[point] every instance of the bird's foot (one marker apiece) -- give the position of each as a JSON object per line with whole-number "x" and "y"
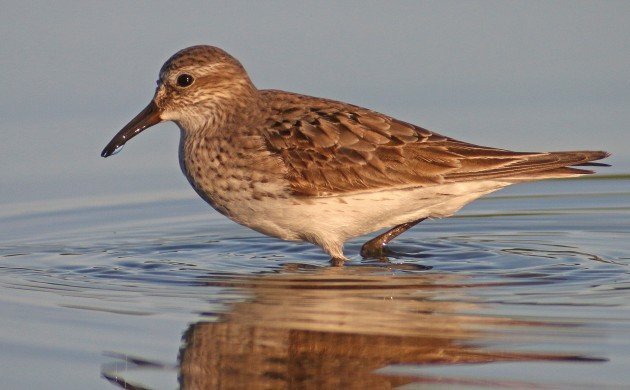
{"x": 374, "y": 249}
{"x": 337, "y": 261}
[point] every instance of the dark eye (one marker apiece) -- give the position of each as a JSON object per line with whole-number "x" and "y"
{"x": 184, "y": 80}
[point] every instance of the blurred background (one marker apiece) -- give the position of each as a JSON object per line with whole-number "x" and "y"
{"x": 518, "y": 75}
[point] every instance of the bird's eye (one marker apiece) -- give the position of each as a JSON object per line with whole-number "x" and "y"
{"x": 184, "y": 80}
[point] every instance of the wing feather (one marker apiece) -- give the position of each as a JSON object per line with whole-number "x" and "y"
{"x": 331, "y": 148}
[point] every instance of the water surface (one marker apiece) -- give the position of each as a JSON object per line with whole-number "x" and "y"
{"x": 525, "y": 288}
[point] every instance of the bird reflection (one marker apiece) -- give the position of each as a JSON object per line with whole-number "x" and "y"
{"x": 334, "y": 328}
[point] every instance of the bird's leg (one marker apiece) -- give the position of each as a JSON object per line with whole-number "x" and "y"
{"x": 374, "y": 247}
{"x": 337, "y": 261}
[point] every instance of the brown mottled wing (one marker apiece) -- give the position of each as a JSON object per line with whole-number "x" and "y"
{"x": 331, "y": 148}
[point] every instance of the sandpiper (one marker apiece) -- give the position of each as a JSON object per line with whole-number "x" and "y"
{"x": 302, "y": 168}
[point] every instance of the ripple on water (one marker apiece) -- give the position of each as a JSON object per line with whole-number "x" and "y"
{"x": 172, "y": 256}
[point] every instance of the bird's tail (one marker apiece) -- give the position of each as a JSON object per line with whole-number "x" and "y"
{"x": 549, "y": 165}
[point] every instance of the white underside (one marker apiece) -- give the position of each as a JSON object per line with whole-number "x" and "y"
{"x": 330, "y": 221}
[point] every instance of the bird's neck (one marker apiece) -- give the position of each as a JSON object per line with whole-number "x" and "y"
{"x": 222, "y": 111}
{"x": 224, "y": 136}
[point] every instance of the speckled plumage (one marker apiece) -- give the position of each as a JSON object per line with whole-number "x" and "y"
{"x": 304, "y": 168}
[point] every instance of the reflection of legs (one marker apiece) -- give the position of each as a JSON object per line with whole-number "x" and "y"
{"x": 374, "y": 247}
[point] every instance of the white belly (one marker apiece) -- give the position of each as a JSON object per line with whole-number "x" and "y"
{"x": 330, "y": 221}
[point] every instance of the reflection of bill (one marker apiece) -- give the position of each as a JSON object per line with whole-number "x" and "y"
{"x": 334, "y": 328}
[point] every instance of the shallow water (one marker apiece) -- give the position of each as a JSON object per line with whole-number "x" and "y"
{"x": 525, "y": 288}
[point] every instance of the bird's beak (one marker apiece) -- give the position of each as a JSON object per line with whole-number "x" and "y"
{"x": 146, "y": 118}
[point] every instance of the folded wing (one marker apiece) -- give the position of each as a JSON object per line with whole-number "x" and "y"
{"x": 332, "y": 148}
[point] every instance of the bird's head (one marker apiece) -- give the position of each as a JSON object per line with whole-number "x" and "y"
{"x": 199, "y": 88}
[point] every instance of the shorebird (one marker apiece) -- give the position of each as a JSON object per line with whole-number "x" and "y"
{"x": 303, "y": 168}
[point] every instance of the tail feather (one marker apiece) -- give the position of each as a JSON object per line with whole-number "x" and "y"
{"x": 591, "y": 164}
{"x": 540, "y": 166}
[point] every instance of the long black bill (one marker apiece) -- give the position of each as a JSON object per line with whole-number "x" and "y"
{"x": 145, "y": 119}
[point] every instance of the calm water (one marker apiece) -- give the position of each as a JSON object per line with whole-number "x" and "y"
{"x": 526, "y": 288}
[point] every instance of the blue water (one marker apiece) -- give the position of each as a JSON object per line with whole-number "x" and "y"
{"x": 528, "y": 287}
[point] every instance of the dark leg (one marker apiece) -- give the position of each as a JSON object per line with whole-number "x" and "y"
{"x": 337, "y": 262}
{"x": 374, "y": 247}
